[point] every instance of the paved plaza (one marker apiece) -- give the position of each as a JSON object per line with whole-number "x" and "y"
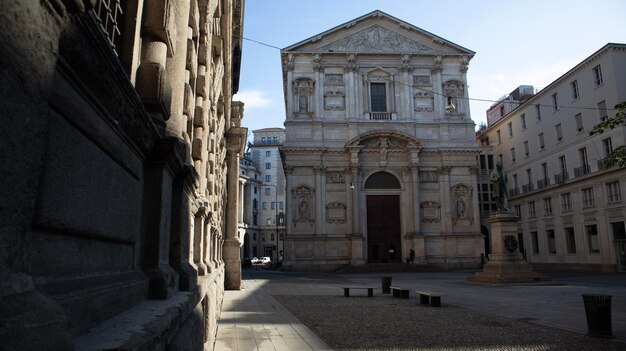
{"x": 307, "y": 311}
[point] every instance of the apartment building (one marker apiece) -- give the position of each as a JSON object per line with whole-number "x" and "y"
{"x": 571, "y": 206}
{"x": 264, "y": 151}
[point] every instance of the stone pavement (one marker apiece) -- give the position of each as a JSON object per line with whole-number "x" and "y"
{"x": 252, "y": 319}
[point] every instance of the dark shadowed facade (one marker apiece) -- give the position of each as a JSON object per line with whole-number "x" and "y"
{"x": 119, "y": 157}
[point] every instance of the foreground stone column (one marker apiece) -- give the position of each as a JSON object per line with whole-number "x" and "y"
{"x": 506, "y": 264}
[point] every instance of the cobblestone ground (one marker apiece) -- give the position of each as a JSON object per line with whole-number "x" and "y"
{"x": 383, "y": 323}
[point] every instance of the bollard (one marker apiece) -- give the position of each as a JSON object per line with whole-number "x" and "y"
{"x": 598, "y": 311}
{"x": 386, "y": 284}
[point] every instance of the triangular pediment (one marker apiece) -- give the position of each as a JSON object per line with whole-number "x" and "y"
{"x": 378, "y": 39}
{"x": 378, "y": 33}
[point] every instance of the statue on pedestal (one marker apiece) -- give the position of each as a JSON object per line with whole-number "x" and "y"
{"x": 500, "y": 193}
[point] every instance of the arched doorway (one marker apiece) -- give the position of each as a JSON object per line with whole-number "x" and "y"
{"x": 383, "y": 219}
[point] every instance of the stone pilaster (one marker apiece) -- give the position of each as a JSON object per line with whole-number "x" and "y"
{"x": 235, "y": 142}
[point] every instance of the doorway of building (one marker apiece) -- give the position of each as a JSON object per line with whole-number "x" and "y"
{"x": 383, "y": 228}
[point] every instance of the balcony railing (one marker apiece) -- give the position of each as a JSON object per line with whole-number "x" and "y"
{"x": 542, "y": 183}
{"x": 381, "y": 116}
{"x": 582, "y": 170}
{"x": 527, "y": 188}
{"x": 513, "y": 192}
{"x": 561, "y": 177}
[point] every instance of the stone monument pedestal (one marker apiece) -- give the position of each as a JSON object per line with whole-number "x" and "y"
{"x": 506, "y": 264}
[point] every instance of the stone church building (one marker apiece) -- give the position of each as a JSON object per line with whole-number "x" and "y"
{"x": 380, "y": 153}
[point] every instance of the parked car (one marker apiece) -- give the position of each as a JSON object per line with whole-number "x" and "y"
{"x": 264, "y": 260}
{"x": 254, "y": 260}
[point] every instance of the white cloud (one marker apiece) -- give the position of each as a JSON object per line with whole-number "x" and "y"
{"x": 253, "y": 99}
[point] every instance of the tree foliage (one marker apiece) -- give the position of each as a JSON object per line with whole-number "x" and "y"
{"x": 618, "y": 156}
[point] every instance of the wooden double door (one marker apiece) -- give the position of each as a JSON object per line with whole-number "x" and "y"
{"x": 383, "y": 229}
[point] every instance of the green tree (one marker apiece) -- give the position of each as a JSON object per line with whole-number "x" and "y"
{"x": 618, "y": 155}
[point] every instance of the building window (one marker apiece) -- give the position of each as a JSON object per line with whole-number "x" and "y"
{"x": 574, "y": 87}
{"x": 268, "y": 154}
{"x": 547, "y": 205}
{"x": 254, "y": 236}
{"x": 498, "y": 137}
{"x": 255, "y": 189}
{"x": 607, "y": 146}
{"x": 262, "y": 140}
{"x": 109, "y": 13}
{"x": 579, "y": 122}
{"x": 268, "y": 178}
{"x": 566, "y": 202}
{"x": 518, "y": 210}
{"x": 526, "y": 148}
{"x": 529, "y": 177}
{"x": 619, "y": 231}
{"x": 563, "y": 165}
{"x": 512, "y": 154}
{"x": 541, "y": 142}
{"x": 510, "y": 128}
{"x": 268, "y": 221}
{"x": 551, "y": 241}
{"x": 559, "y": 132}
{"x": 538, "y": 112}
{"x": 602, "y": 112}
{"x": 273, "y": 205}
{"x": 268, "y": 191}
{"x": 501, "y": 111}
{"x": 587, "y": 197}
{"x": 531, "y": 209}
{"x": 275, "y": 140}
{"x": 378, "y": 97}
{"x": 570, "y": 240}
{"x": 281, "y": 206}
{"x": 597, "y": 75}
{"x": 535, "y": 242}
{"x": 592, "y": 238}
{"x": 268, "y": 165}
{"x": 265, "y": 205}
{"x": 523, "y": 120}
{"x": 613, "y": 192}
{"x": 555, "y": 102}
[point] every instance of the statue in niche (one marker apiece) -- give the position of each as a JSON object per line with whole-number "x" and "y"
{"x": 460, "y": 208}
{"x": 303, "y": 103}
{"x": 303, "y": 209}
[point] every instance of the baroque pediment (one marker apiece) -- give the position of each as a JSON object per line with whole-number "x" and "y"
{"x": 378, "y": 39}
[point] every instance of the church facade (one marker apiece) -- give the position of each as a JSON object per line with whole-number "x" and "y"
{"x": 380, "y": 152}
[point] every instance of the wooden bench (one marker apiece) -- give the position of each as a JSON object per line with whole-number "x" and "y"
{"x": 429, "y": 298}
{"x": 397, "y": 291}
{"x": 370, "y": 290}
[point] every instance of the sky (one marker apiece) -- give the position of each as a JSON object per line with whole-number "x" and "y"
{"x": 516, "y": 42}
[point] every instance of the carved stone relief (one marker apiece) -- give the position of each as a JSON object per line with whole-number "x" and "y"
{"x": 333, "y": 79}
{"x": 336, "y": 212}
{"x": 421, "y": 80}
{"x": 429, "y": 176}
{"x": 430, "y": 212}
{"x": 378, "y": 39}
{"x": 335, "y": 178}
